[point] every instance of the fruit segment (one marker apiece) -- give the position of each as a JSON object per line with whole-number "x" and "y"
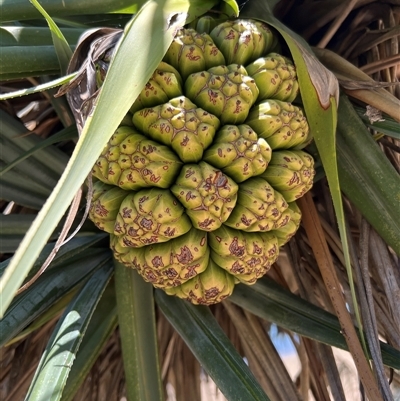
{"x": 180, "y": 124}
{"x": 238, "y": 152}
{"x": 207, "y": 194}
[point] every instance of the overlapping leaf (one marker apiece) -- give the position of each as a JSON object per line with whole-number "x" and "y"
{"x": 127, "y": 76}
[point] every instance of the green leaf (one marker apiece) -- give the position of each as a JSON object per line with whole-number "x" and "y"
{"x": 387, "y": 126}
{"x": 98, "y": 20}
{"x": 270, "y": 301}
{"x": 101, "y": 327}
{"x": 137, "y": 323}
{"x": 52, "y": 313}
{"x": 38, "y": 88}
{"x": 211, "y": 347}
{"x": 18, "y": 188}
{"x": 52, "y": 372}
{"x": 50, "y": 287}
{"x": 76, "y": 249}
{"x": 230, "y": 8}
{"x": 63, "y": 135}
{"x": 41, "y": 178}
{"x": 68, "y": 253}
{"x": 63, "y": 51}
{"x": 35, "y": 36}
{"x": 368, "y": 91}
{"x": 21, "y": 9}
{"x": 367, "y": 177}
{"x": 52, "y": 158}
{"x": 145, "y": 42}
{"x": 14, "y": 227}
{"x": 11, "y": 193}
{"x": 15, "y": 224}
{"x": 28, "y": 61}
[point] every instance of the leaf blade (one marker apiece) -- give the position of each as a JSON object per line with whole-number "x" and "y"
{"x": 21, "y": 10}
{"x": 101, "y": 327}
{"x": 137, "y": 322}
{"x": 319, "y": 90}
{"x": 54, "y": 367}
{"x": 125, "y": 64}
{"x": 63, "y": 51}
{"x": 269, "y": 301}
{"x": 367, "y": 177}
{"x": 211, "y": 347}
{"x": 50, "y": 287}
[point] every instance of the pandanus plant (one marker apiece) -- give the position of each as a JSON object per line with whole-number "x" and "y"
{"x": 199, "y": 130}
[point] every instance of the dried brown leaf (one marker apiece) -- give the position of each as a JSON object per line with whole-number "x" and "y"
{"x": 345, "y": 71}
{"x": 323, "y": 257}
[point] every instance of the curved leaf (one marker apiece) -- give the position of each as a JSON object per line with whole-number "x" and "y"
{"x": 52, "y": 372}
{"x": 61, "y": 46}
{"x": 52, "y": 158}
{"x": 14, "y": 227}
{"x": 38, "y": 88}
{"x": 270, "y": 301}
{"x": 41, "y": 178}
{"x": 15, "y": 187}
{"x": 211, "y": 347}
{"x": 69, "y": 253}
{"x": 386, "y": 125}
{"x": 146, "y": 40}
{"x": 230, "y": 8}
{"x": 53, "y": 312}
{"x": 50, "y": 287}
{"x": 101, "y": 327}
{"x": 65, "y": 134}
{"x": 367, "y": 177}
{"x": 319, "y": 91}
{"x": 358, "y": 84}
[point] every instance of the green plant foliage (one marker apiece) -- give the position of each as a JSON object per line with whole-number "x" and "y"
{"x": 102, "y": 324}
{"x": 367, "y": 177}
{"x": 127, "y": 71}
{"x": 61, "y": 46}
{"x": 50, "y": 287}
{"x": 137, "y": 322}
{"x": 269, "y": 301}
{"x": 319, "y": 90}
{"x": 35, "y": 174}
{"x": 210, "y": 345}
{"x": 23, "y": 10}
{"x": 54, "y": 367}
{"x": 385, "y": 125}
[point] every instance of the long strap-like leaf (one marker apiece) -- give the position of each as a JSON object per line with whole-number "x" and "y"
{"x": 145, "y": 42}
{"x": 212, "y": 348}
{"x": 102, "y": 325}
{"x": 269, "y": 301}
{"x": 54, "y": 367}
{"x": 137, "y": 323}
{"x": 367, "y": 177}
{"x": 53, "y": 285}
{"x": 22, "y": 9}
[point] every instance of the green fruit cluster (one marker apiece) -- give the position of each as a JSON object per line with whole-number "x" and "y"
{"x": 197, "y": 187}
